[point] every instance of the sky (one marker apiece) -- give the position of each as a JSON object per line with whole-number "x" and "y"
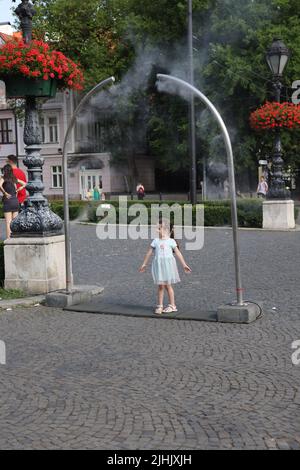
{"x": 5, "y": 13}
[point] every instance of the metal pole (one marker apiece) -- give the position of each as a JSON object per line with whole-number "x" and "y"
{"x": 85, "y": 99}
{"x": 192, "y": 123}
{"x": 229, "y": 152}
{"x": 204, "y": 179}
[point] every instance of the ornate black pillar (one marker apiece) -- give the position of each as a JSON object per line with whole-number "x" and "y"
{"x": 35, "y": 219}
{"x": 277, "y": 187}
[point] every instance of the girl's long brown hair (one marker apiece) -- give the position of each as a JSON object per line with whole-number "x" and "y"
{"x": 8, "y": 174}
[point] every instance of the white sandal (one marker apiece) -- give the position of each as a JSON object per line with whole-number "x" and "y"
{"x": 159, "y": 309}
{"x": 170, "y": 309}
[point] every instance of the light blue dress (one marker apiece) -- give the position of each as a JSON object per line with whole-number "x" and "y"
{"x": 164, "y": 267}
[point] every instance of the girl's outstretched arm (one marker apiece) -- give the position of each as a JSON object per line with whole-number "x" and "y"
{"x": 146, "y": 260}
{"x": 182, "y": 260}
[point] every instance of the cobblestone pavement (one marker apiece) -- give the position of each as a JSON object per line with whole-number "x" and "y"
{"x": 92, "y": 381}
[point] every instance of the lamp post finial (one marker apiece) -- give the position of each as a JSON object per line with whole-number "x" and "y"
{"x": 25, "y": 11}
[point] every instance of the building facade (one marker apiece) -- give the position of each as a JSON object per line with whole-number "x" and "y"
{"x": 89, "y": 162}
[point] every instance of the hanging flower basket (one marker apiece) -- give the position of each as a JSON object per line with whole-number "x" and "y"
{"x": 36, "y": 70}
{"x": 18, "y": 87}
{"x": 276, "y": 115}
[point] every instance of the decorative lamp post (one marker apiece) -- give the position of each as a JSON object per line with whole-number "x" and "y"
{"x": 277, "y": 58}
{"x": 35, "y": 219}
{"x": 31, "y": 69}
{"x": 25, "y": 12}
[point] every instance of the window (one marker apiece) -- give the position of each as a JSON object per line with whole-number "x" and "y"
{"x": 53, "y": 129}
{"x": 49, "y": 129}
{"x": 6, "y": 131}
{"x": 57, "y": 179}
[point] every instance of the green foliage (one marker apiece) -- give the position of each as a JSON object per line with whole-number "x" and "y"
{"x": 232, "y": 36}
{"x": 216, "y": 213}
{"x": 167, "y": 137}
{"x": 217, "y": 216}
{"x": 90, "y": 32}
{"x": 75, "y": 209}
{"x": 250, "y": 213}
{"x": 10, "y": 294}
{"x": 236, "y": 74}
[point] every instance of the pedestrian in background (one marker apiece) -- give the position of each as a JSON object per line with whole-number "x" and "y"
{"x": 89, "y": 194}
{"x": 97, "y": 193}
{"x": 10, "y": 186}
{"x": 140, "y": 190}
{"x": 19, "y": 174}
{"x": 263, "y": 188}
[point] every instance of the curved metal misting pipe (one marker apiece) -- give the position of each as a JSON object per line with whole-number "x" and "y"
{"x": 229, "y": 151}
{"x": 85, "y": 99}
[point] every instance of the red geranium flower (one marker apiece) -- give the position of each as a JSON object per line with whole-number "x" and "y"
{"x": 274, "y": 115}
{"x": 38, "y": 60}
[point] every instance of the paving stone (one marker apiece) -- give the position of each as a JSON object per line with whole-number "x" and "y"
{"x": 74, "y": 380}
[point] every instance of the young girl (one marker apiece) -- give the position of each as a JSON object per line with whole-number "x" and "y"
{"x": 8, "y": 186}
{"x": 164, "y": 268}
{"x": 262, "y": 188}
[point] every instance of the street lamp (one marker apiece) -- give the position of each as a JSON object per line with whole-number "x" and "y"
{"x": 277, "y": 58}
{"x": 36, "y": 219}
{"x": 192, "y": 118}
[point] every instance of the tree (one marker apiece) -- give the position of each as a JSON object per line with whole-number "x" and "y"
{"x": 90, "y": 32}
{"x": 109, "y": 36}
{"x": 236, "y": 74}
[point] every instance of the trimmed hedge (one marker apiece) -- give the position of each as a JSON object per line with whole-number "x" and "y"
{"x": 216, "y": 216}
{"x": 75, "y": 209}
{"x": 216, "y": 213}
{"x": 250, "y": 213}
